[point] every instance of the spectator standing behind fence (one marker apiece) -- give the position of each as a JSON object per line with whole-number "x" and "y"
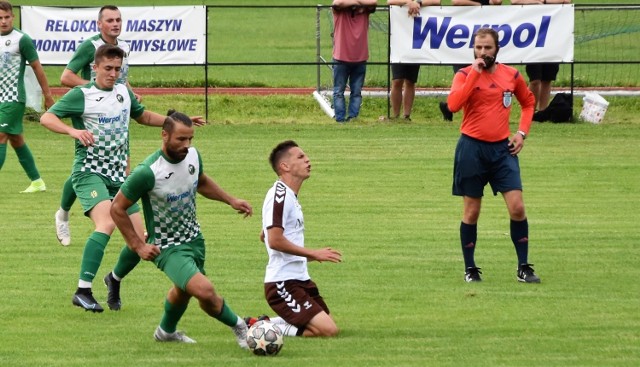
{"x": 16, "y": 48}
{"x": 541, "y": 76}
{"x": 405, "y": 76}
{"x": 110, "y": 25}
{"x": 446, "y": 113}
{"x": 350, "y": 54}
{"x": 486, "y": 152}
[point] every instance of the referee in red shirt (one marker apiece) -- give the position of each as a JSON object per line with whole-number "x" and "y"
{"x": 487, "y": 151}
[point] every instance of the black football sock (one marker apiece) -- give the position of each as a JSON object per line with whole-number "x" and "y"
{"x": 520, "y": 238}
{"x": 468, "y": 238}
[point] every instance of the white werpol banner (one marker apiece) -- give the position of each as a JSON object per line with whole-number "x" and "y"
{"x": 158, "y": 35}
{"x": 444, "y": 35}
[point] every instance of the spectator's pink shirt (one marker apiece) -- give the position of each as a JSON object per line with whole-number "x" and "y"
{"x": 351, "y": 41}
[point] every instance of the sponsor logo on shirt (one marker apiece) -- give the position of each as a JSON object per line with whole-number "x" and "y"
{"x": 108, "y": 120}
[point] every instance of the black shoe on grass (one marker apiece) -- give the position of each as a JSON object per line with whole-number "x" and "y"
{"x": 472, "y": 274}
{"x": 113, "y": 292}
{"x": 86, "y": 301}
{"x": 526, "y": 274}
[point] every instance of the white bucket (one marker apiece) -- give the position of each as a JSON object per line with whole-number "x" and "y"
{"x": 594, "y": 108}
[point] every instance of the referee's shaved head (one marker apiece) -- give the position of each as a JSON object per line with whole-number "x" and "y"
{"x": 483, "y": 32}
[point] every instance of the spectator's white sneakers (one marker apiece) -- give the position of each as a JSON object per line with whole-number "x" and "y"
{"x": 177, "y": 336}
{"x": 62, "y": 229}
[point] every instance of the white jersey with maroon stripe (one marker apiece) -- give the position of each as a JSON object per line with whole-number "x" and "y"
{"x": 282, "y": 209}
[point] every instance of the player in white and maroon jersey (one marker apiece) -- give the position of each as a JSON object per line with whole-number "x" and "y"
{"x": 289, "y": 289}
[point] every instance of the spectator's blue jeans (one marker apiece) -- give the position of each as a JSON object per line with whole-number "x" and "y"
{"x": 354, "y": 73}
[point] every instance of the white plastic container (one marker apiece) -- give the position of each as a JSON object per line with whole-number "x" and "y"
{"x": 593, "y": 108}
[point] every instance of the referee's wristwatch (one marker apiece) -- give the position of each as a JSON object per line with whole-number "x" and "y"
{"x": 524, "y": 135}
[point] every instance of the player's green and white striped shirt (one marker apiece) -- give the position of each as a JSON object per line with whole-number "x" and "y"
{"x": 83, "y": 59}
{"x": 106, "y": 113}
{"x": 15, "y": 49}
{"x": 167, "y": 190}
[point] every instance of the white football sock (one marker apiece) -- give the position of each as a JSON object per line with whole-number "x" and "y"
{"x": 287, "y": 329}
{"x": 62, "y": 215}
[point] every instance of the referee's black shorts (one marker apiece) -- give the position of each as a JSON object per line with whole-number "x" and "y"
{"x": 478, "y": 163}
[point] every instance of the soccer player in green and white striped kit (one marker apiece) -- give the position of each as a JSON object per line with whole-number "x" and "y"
{"x": 16, "y": 48}
{"x": 100, "y": 113}
{"x": 79, "y": 71}
{"x": 167, "y": 183}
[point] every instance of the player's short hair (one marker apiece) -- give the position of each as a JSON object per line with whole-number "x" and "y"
{"x": 108, "y": 51}
{"x": 489, "y": 32}
{"x": 6, "y": 6}
{"x": 174, "y": 117}
{"x": 107, "y": 7}
{"x": 279, "y": 152}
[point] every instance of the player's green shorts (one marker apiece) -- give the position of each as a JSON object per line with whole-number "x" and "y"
{"x": 11, "y": 115}
{"x": 92, "y": 189}
{"x": 183, "y": 261}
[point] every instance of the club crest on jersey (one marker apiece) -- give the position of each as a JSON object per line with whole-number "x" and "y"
{"x": 192, "y": 169}
{"x": 7, "y": 43}
{"x": 120, "y": 98}
{"x": 506, "y": 99}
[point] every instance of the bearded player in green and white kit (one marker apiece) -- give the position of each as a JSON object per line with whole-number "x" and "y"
{"x": 167, "y": 183}
{"x": 100, "y": 112}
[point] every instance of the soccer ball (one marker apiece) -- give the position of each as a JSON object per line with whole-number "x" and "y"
{"x": 265, "y": 338}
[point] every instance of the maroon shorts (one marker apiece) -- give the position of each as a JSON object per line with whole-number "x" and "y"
{"x": 296, "y": 301}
